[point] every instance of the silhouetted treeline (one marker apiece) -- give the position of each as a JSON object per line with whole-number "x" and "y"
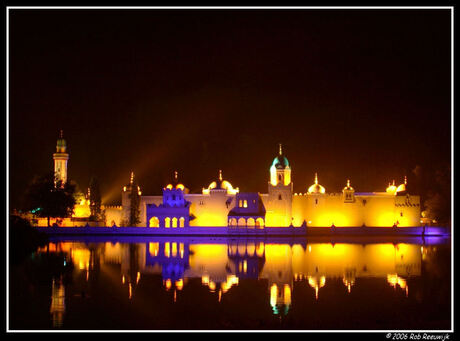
{"x": 23, "y": 239}
{"x": 433, "y": 184}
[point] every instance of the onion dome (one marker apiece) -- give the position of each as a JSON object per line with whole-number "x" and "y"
{"x": 391, "y": 188}
{"x": 61, "y": 143}
{"x": 280, "y": 161}
{"x": 221, "y": 184}
{"x": 402, "y": 187}
{"x": 316, "y": 188}
{"x": 176, "y": 184}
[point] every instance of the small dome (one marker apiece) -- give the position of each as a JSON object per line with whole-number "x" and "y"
{"x": 391, "y": 188}
{"x": 221, "y": 184}
{"x": 348, "y": 187}
{"x": 176, "y": 184}
{"x": 402, "y": 187}
{"x": 316, "y": 188}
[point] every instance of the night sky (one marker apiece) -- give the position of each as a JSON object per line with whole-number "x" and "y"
{"x": 351, "y": 94}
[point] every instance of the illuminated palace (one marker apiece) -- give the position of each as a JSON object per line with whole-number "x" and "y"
{"x": 221, "y": 204}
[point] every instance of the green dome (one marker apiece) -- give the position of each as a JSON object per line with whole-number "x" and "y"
{"x": 280, "y": 162}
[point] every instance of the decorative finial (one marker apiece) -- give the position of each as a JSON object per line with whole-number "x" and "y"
{"x": 348, "y": 183}
{"x": 175, "y": 175}
{"x": 220, "y": 175}
{"x": 316, "y": 178}
{"x": 131, "y": 181}
{"x": 405, "y": 180}
{"x": 281, "y": 149}
{"x": 393, "y": 182}
{"x": 61, "y": 134}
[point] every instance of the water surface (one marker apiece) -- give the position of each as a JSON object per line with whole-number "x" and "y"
{"x": 169, "y": 283}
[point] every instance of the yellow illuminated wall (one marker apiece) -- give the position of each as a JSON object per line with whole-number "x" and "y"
{"x": 370, "y": 210}
{"x": 210, "y": 209}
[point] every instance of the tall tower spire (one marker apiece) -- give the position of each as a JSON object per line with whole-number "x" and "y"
{"x": 60, "y": 159}
{"x": 281, "y": 150}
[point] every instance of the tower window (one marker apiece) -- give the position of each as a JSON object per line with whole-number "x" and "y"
{"x": 279, "y": 197}
{"x": 316, "y": 201}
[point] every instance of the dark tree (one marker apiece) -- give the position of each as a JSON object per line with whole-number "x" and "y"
{"x": 438, "y": 202}
{"x": 134, "y": 196}
{"x": 48, "y": 197}
{"x": 95, "y": 200}
{"x": 23, "y": 239}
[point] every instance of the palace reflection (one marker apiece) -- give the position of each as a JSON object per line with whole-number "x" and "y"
{"x": 220, "y": 265}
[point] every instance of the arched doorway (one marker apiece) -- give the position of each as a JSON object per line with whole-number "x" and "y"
{"x": 260, "y": 223}
{"x": 154, "y": 222}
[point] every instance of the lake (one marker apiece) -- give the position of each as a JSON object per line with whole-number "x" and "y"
{"x": 205, "y": 283}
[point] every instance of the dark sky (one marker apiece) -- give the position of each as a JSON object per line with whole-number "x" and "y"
{"x": 359, "y": 94}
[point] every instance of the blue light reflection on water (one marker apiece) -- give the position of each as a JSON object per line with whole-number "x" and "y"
{"x": 258, "y": 283}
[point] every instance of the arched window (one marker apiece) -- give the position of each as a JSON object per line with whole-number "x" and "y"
{"x": 240, "y": 203}
{"x": 245, "y": 203}
{"x": 181, "y": 222}
{"x": 167, "y": 222}
{"x": 260, "y": 223}
{"x": 241, "y": 222}
{"x": 174, "y": 222}
{"x": 280, "y": 197}
{"x": 251, "y": 222}
{"x": 154, "y": 222}
{"x": 232, "y": 222}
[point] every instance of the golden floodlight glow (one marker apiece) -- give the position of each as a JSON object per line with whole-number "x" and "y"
{"x": 287, "y": 294}
{"x": 273, "y": 294}
{"x": 179, "y": 284}
{"x": 394, "y": 279}
{"x": 205, "y": 280}
{"x": 168, "y": 284}
{"x": 231, "y": 280}
{"x": 314, "y": 283}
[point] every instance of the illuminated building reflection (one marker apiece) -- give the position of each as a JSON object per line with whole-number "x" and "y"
{"x": 57, "y": 308}
{"x": 222, "y": 265}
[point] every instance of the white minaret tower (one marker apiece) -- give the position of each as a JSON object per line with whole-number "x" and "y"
{"x": 60, "y": 159}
